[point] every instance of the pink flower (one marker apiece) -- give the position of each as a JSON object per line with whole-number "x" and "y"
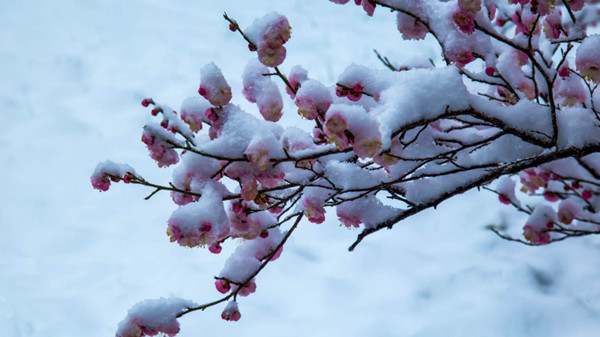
{"x": 159, "y": 150}
{"x": 355, "y": 92}
{"x": 410, "y": 28}
{"x": 271, "y": 177}
{"x": 348, "y": 218}
{"x": 368, "y": 7}
{"x": 367, "y": 147}
{"x": 108, "y": 171}
{"x": 249, "y": 187}
{"x": 536, "y": 236}
{"x": 506, "y": 191}
{"x": 587, "y": 59}
{"x": 313, "y": 100}
{"x": 278, "y": 31}
{"x": 271, "y": 56}
{"x": 564, "y": 71}
{"x": 553, "y": 25}
{"x": 151, "y": 317}
{"x": 504, "y": 199}
{"x": 193, "y": 111}
{"x": 182, "y": 198}
{"x": 461, "y": 57}
{"x": 213, "y": 85}
{"x": 336, "y": 123}
{"x": 215, "y": 248}
{"x": 258, "y": 155}
{"x": 201, "y": 223}
{"x": 146, "y": 102}
{"x": 270, "y": 103}
{"x": 567, "y": 211}
{"x": 571, "y": 91}
{"x": 464, "y": 21}
{"x": 296, "y": 77}
{"x": 271, "y": 38}
{"x": 223, "y": 286}
{"x": 203, "y": 235}
{"x": 551, "y": 196}
{"x": 531, "y": 180}
{"x": 248, "y": 289}
{"x": 541, "y": 220}
{"x": 524, "y": 22}
{"x": 100, "y": 182}
{"x": 313, "y": 210}
{"x": 231, "y": 312}
{"x": 350, "y": 124}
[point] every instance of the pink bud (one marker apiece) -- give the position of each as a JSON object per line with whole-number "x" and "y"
{"x": 147, "y": 101}
{"x": 215, "y": 248}
{"x": 205, "y": 227}
{"x": 550, "y": 196}
{"x": 127, "y": 178}
{"x": 504, "y": 199}
{"x": 222, "y": 286}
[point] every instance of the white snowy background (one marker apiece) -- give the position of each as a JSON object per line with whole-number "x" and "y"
{"x": 72, "y": 260}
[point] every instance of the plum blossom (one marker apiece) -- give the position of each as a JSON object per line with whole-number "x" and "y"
{"x": 410, "y": 27}
{"x": 151, "y": 317}
{"x": 464, "y": 21}
{"x": 538, "y": 224}
{"x": 568, "y": 210}
{"x": 506, "y": 191}
{"x": 588, "y": 58}
{"x": 231, "y": 312}
{"x": 159, "y": 143}
{"x": 313, "y": 100}
{"x": 269, "y": 34}
{"x": 213, "y": 85}
{"x": 296, "y": 77}
{"x": 351, "y": 125}
{"x": 108, "y": 171}
{"x": 199, "y": 223}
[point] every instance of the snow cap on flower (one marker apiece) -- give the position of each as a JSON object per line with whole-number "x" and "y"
{"x": 213, "y": 85}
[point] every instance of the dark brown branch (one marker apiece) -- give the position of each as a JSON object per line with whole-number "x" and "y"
{"x": 486, "y": 178}
{"x": 570, "y": 11}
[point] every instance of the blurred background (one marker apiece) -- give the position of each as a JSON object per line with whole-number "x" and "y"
{"x": 73, "y": 260}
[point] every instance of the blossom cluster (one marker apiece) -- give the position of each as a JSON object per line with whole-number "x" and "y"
{"x": 509, "y": 102}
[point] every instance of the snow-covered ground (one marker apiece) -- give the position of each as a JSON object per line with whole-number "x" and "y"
{"x": 72, "y": 260}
